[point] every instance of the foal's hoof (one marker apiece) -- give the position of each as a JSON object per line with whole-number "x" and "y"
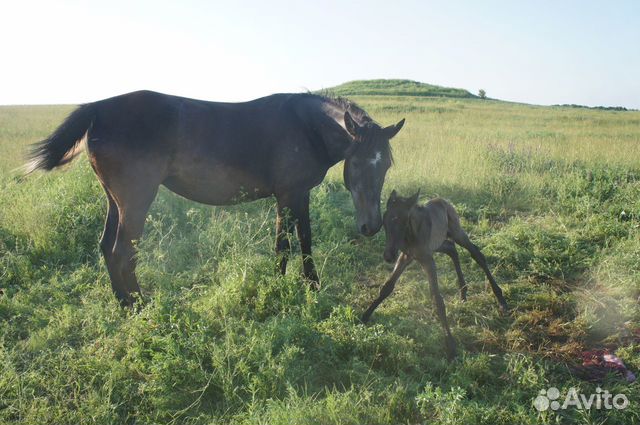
{"x": 504, "y": 309}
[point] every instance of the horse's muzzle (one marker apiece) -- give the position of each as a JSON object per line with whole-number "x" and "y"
{"x": 368, "y": 231}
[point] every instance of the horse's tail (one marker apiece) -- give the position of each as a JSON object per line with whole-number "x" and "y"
{"x": 62, "y": 145}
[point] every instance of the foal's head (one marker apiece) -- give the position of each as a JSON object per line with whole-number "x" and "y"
{"x": 365, "y": 168}
{"x": 396, "y": 219}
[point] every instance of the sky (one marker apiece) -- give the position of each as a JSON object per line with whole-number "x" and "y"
{"x": 541, "y": 52}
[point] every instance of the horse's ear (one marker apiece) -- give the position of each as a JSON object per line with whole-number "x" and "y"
{"x": 393, "y": 196}
{"x": 392, "y": 130}
{"x": 414, "y": 199}
{"x": 350, "y": 124}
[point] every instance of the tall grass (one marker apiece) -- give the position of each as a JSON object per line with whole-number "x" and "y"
{"x": 550, "y": 194}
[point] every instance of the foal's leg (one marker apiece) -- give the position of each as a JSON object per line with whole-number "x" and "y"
{"x": 449, "y": 248}
{"x": 401, "y": 263}
{"x": 430, "y": 267}
{"x": 461, "y": 238}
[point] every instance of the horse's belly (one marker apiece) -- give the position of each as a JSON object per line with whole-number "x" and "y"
{"x": 223, "y": 186}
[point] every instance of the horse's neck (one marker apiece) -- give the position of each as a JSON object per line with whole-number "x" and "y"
{"x": 337, "y": 140}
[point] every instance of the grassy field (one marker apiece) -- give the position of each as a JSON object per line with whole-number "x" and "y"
{"x": 551, "y": 195}
{"x": 397, "y": 88}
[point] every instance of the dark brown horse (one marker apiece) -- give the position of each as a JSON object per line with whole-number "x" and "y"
{"x": 220, "y": 154}
{"x": 418, "y": 232}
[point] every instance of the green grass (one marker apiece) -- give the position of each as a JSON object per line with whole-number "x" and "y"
{"x": 222, "y": 339}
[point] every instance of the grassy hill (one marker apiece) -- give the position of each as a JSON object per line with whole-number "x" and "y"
{"x": 222, "y": 339}
{"x": 396, "y": 88}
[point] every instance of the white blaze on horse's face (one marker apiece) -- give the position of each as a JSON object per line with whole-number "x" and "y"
{"x": 364, "y": 174}
{"x": 376, "y": 160}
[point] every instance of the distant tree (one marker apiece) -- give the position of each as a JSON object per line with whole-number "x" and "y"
{"x": 482, "y": 94}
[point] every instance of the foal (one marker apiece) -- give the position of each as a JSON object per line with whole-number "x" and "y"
{"x": 419, "y": 231}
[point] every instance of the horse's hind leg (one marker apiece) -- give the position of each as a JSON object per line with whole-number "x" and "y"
{"x": 107, "y": 242}
{"x": 132, "y": 210}
{"x": 461, "y": 238}
{"x": 130, "y": 177}
{"x": 449, "y": 248}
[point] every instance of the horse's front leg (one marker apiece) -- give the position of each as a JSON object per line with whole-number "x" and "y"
{"x": 293, "y": 210}
{"x": 303, "y": 226}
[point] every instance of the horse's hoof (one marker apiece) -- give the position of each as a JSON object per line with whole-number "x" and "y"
{"x": 313, "y": 280}
{"x": 451, "y": 354}
{"x": 452, "y": 348}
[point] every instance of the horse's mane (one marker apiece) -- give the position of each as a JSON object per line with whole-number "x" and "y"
{"x": 359, "y": 114}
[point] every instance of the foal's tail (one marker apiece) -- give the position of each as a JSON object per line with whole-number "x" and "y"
{"x": 63, "y": 144}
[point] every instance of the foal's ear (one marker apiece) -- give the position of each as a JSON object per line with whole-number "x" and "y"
{"x": 414, "y": 199}
{"x": 392, "y": 130}
{"x": 350, "y": 124}
{"x": 393, "y": 196}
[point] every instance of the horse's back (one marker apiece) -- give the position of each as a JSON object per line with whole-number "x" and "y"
{"x": 211, "y": 152}
{"x": 151, "y": 120}
{"x": 137, "y": 121}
